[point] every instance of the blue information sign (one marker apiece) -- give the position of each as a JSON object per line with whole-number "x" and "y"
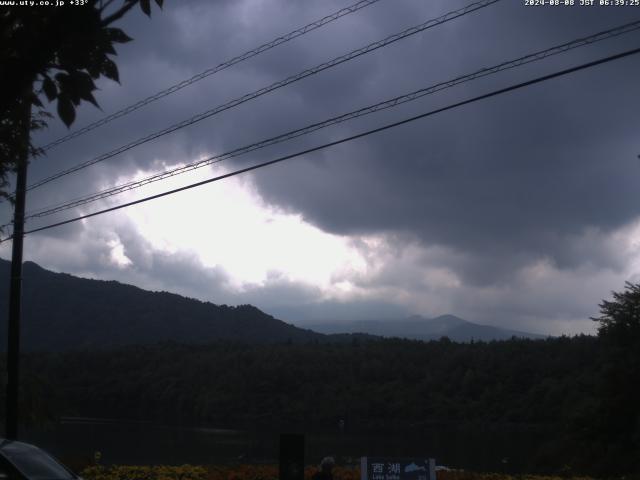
{"x": 389, "y": 468}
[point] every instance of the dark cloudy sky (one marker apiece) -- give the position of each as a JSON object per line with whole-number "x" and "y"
{"x": 519, "y": 211}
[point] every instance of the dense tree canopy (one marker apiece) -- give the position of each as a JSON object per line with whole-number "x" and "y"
{"x": 388, "y": 387}
{"x": 620, "y": 319}
{"x": 56, "y": 52}
{"x": 616, "y": 424}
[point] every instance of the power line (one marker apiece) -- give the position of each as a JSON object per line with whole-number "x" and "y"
{"x": 347, "y": 139}
{"x": 196, "y": 78}
{"x": 274, "y": 86}
{"x": 540, "y": 55}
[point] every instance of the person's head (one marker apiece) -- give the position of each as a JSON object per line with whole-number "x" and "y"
{"x": 327, "y": 464}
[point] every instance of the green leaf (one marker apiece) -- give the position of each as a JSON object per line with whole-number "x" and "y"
{"x": 83, "y": 82}
{"x": 66, "y": 110}
{"x": 117, "y": 35}
{"x": 71, "y": 85}
{"x": 94, "y": 69}
{"x": 88, "y": 96}
{"x": 145, "y": 5}
{"x": 110, "y": 70}
{"x": 108, "y": 48}
{"x": 103, "y": 45}
{"x": 84, "y": 86}
{"x": 49, "y": 88}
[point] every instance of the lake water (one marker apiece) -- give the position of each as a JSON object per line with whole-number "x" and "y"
{"x": 76, "y": 440}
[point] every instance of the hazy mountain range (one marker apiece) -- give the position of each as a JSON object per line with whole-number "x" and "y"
{"x": 421, "y": 328}
{"x": 62, "y": 312}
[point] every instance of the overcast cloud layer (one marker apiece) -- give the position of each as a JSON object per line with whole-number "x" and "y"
{"x": 519, "y": 211}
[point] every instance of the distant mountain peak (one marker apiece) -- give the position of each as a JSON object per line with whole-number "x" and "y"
{"x": 449, "y": 318}
{"x": 417, "y": 327}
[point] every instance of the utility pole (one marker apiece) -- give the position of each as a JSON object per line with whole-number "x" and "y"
{"x": 15, "y": 286}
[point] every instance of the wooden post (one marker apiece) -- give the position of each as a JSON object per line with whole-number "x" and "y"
{"x": 15, "y": 286}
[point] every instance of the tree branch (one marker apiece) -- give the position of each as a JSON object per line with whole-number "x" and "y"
{"x": 118, "y": 14}
{"x": 104, "y": 6}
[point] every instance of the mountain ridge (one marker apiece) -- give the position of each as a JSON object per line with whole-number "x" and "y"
{"x": 65, "y": 312}
{"x": 417, "y": 327}
{"x": 62, "y": 311}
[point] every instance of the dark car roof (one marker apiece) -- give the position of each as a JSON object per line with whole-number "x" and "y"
{"x": 4, "y": 442}
{"x": 33, "y": 462}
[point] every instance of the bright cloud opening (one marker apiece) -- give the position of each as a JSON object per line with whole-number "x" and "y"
{"x": 228, "y": 225}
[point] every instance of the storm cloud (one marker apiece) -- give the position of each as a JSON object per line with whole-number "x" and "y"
{"x": 519, "y": 211}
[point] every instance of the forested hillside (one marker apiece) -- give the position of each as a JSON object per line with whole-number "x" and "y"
{"x": 390, "y": 385}
{"x": 62, "y": 312}
{"x": 387, "y": 384}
